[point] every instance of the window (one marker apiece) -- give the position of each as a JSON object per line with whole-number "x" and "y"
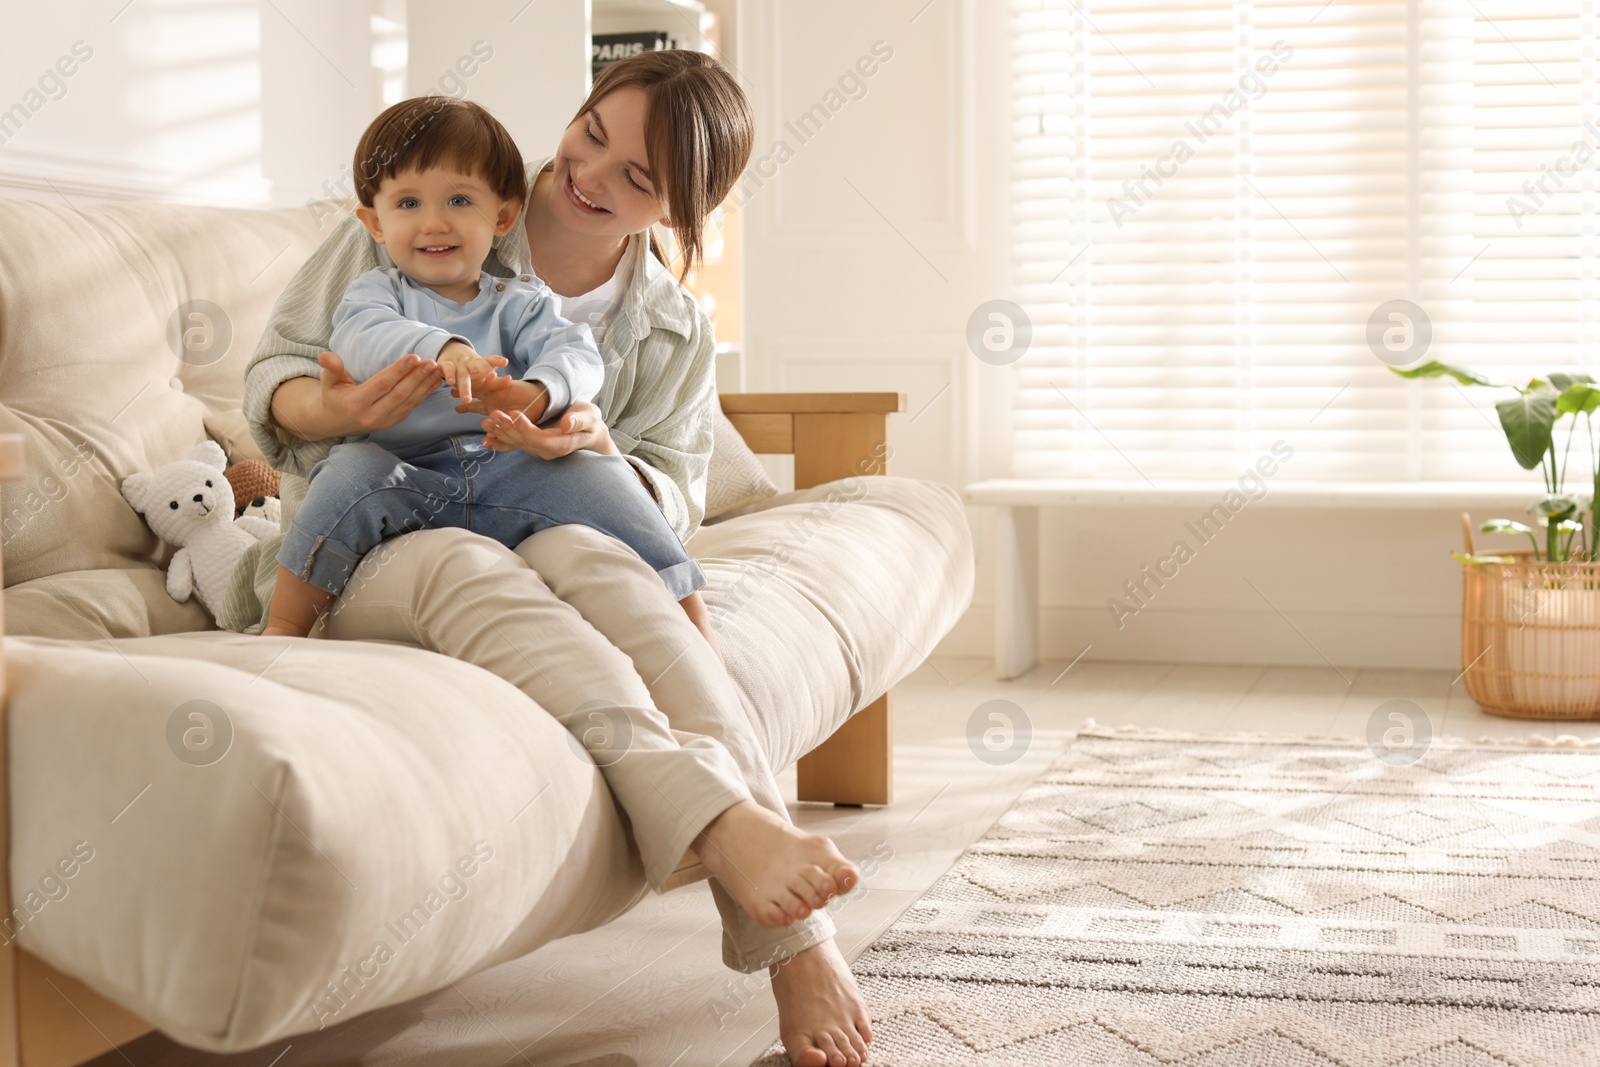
{"x": 1213, "y": 199}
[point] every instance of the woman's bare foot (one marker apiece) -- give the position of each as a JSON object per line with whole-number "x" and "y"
{"x": 821, "y": 1017}
{"x": 274, "y": 629}
{"x": 777, "y": 873}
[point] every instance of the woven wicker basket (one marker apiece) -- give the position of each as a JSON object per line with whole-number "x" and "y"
{"x": 1530, "y": 636}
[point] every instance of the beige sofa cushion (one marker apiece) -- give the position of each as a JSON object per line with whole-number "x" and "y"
{"x": 825, "y": 597}
{"x": 231, "y": 430}
{"x": 93, "y": 605}
{"x": 88, "y": 377}
{"x": 218, "y": 899}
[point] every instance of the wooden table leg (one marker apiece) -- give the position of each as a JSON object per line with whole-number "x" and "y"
{"x": 1016, "y": 591}
{"x": 856, "y": 764}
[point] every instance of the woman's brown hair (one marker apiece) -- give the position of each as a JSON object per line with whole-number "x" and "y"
{"x": 698, "y": 132}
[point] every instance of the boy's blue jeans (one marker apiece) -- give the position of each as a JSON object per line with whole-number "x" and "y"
{"x": 363, "y": 494}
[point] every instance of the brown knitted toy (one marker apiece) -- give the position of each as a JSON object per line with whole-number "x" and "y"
{"x": 252, "y": 478}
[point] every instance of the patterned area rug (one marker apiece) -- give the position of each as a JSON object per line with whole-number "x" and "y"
{"x": 1246, "y": 901}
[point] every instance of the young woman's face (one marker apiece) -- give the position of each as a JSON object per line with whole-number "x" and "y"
{"x": 602, "y": 175}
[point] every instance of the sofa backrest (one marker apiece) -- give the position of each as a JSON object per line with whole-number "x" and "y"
{"x": 93, "y": 299}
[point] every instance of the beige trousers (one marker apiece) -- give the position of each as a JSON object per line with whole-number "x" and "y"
{"x": 583, "y": 626}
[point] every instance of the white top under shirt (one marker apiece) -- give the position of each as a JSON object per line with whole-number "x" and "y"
{"x": 599, "y": 305}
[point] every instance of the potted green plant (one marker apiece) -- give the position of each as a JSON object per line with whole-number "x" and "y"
{"x": 1530, "y": 636}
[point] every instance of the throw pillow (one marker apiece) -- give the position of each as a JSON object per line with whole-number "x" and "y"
{"x": 735, "y": 476}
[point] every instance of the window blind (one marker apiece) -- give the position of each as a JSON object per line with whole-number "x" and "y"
{"x": 1212, "y": 199}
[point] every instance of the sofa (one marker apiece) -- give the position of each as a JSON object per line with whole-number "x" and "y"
{"x": 366, "y": 788}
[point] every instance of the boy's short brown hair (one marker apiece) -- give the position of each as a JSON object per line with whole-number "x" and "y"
{"x": 433, "y": 131}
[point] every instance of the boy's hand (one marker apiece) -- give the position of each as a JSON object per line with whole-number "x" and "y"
{"x": 463, "y": 368}
{"x": 512, "y": 395}
{"x": 580, "y": 427}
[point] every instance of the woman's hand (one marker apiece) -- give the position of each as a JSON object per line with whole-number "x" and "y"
{"x": 338, "y": 407}
{"x": 334, "y": 406}
{"x": 377, "y": 403}
{"x": 580, "y": 427}
{"x": 500, "y": 392}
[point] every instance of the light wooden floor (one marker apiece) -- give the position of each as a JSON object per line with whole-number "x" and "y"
{"x": 649, "y": 989}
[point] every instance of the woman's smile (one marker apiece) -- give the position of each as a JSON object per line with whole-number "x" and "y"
{"x": 581, "y": 202}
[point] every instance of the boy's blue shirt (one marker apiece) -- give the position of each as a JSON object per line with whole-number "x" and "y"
{"x": 385, "y": 315}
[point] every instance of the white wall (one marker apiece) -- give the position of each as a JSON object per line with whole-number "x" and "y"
{"x": 318, "y": 92}
{"x": 537, "y": 70}
{"x": 216, "y": 101}
{"x": 867, "y": 251}
{"x": 259, "y": 102}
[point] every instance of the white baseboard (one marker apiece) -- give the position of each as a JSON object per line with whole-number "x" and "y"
{"x": 1430, "y": 640}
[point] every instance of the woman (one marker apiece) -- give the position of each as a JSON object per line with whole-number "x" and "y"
{"x": 661, "y": 139}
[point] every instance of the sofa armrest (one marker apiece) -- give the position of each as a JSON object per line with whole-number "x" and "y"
{"x": 830, "y": 403}
{"x": 831, "y": 435}
{"x": 46, "y": 1018}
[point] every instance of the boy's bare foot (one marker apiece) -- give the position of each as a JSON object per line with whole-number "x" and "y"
{"x": 777, "y": 873}
{"x": 296, "y": 607}
{"x": 821, "y": 1017}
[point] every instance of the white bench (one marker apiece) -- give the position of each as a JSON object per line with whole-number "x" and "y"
{"x": 1016, "y": 539}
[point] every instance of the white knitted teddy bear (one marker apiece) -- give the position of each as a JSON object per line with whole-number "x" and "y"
{"x": 189, "y": 505}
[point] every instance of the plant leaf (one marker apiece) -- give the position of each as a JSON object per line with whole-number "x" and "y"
{"x": 1434, "y": 369}
{"x": 1564, "y": 380}
{"x": 1553, "y": 509}
{"x": 1478, "y": 560}
{"x": 1578, "y": 398}
{"x": 1505, "y": 526}
{"x": 1528, "y": 420}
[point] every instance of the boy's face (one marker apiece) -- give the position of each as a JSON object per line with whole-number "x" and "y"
{"x": 438, "y": 225}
